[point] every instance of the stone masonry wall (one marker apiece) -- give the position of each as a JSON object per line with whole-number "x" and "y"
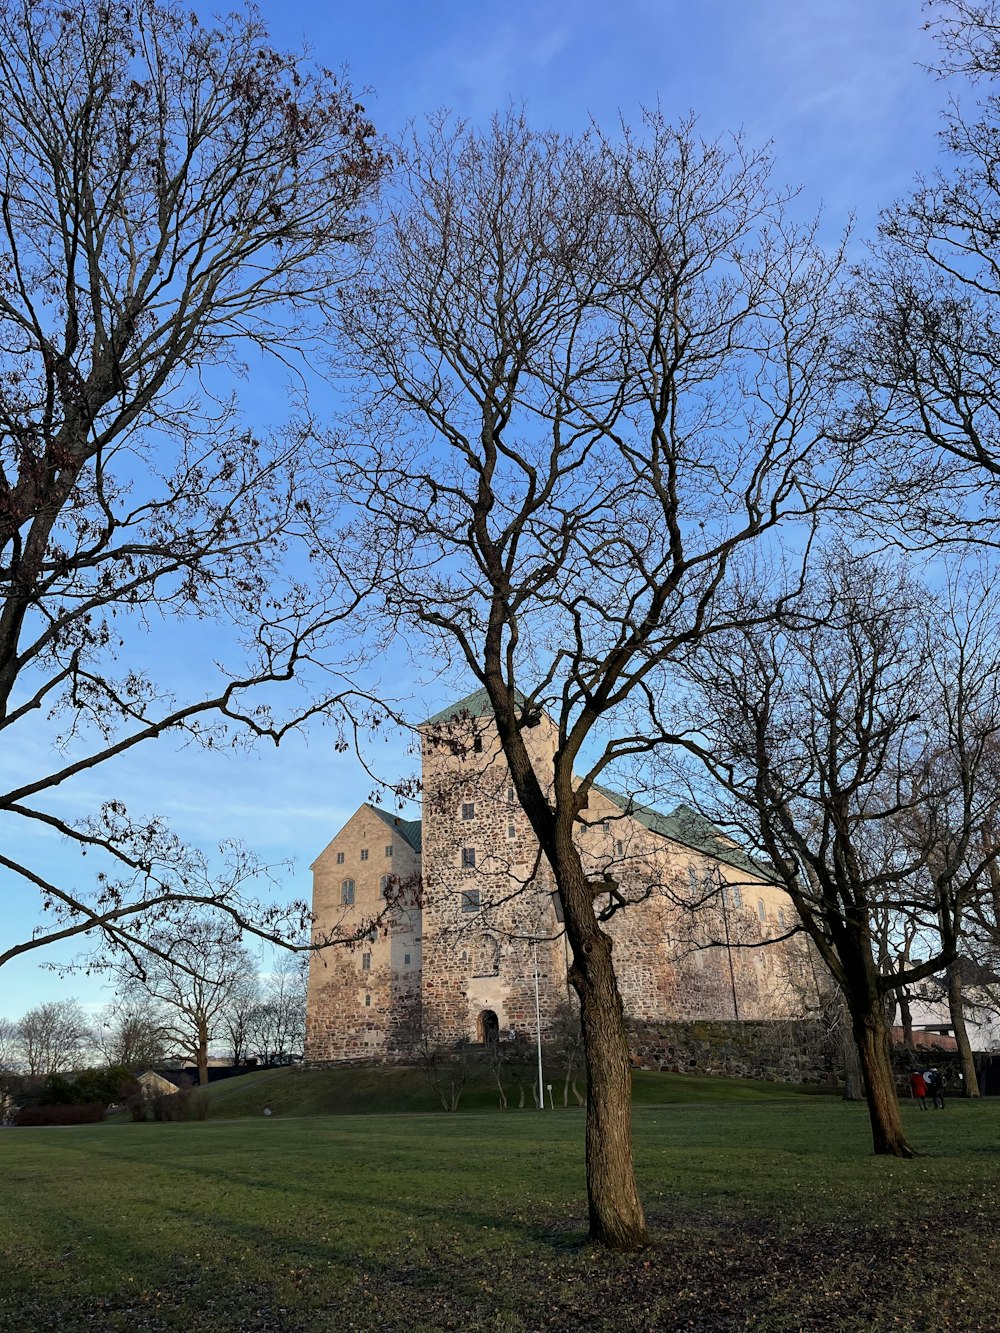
{"x": 463, "y": 960}
{"x": 364, "y": 998}
{"x": 782, "y": 1051}
{"x": 486, "y": 895}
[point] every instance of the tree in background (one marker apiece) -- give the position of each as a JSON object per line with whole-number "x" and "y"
{"x": 132, "y": 1034}
{"x": 595, "y": 371}
{"x": 238, "y": 1016}
{"x": 190, "y": 970}
{"x": 176, "y": 198}
{"x": 277, "y": 1024}
{"x": 52, "y": 1038}
{"x": 853, "y": 746}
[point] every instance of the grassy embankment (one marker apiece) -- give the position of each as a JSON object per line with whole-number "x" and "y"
{"x": 768, "y": 1215}
{"x": 382, "y": 1090}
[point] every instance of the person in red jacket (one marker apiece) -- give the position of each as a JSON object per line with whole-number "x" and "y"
{"x": 918, "y": 1088}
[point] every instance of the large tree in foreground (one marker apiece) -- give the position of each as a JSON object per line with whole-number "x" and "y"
{"x": 173, "y": 198}
{"x": 854, "y": 744}
{"x": 596, "y": 372}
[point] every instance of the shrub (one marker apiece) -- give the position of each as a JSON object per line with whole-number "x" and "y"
{"x": 60, "y": 1114}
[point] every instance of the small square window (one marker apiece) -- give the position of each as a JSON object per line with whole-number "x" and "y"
{"x": 606, "y": 825}
{"x": 388, "y": 851}
{"x": 468, "y": 858}
{"x": 340, "y": 858}
{"x": 366, "y": 962}
{"x": 406, "y": 960}
{"x": 470, "y": 900}
{"x": 364, "y": 853}
{"x": 469, "y": 810}
{"x": 368, "y": 1001}
{"x": 511, "y": 831}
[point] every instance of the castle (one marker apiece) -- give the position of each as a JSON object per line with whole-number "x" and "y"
{"x": 463, "y": 910}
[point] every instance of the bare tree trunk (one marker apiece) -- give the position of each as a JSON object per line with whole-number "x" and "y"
{"x": 616, "y": 1216}
{"x": 906, "y": 1019}
{"x": 854, "y": 1087}
{"x": 202, "y": 1053}
{"x": 956, "y": 1006}
{"x": 871, "y": 1032}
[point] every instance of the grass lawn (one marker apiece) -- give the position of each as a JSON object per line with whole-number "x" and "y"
{"x": 768, "y": 1215}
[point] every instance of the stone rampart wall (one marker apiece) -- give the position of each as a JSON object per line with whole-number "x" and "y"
{"x": 780, "y": 1051}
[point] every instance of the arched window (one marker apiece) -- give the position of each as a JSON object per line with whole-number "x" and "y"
{"x": 347, "y": 892}
{"x": 485, "y": 956}
{"x": 737, "y": 897}
{"x": 781, "y": 917}
{"x": 762, "y": 911}
{"x": 385, "y": 884}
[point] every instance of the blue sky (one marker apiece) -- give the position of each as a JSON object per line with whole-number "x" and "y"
{"x": 837, "y": 87}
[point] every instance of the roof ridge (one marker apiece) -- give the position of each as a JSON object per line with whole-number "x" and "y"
{"x": 672, "y": 826}
{"x": 411, "y": 830}
{"x": 476, "y": 704}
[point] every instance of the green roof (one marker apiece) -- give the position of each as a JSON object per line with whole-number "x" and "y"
{"x": 686, "y": 826}
{"x": 476, "y": 704}
{"x": 410, "y": 829}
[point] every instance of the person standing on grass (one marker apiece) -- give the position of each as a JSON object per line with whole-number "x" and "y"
{"x": 918, "y": 1088}
{"x": 935, "y": 1085}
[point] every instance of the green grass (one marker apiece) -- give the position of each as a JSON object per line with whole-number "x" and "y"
{"x": 296, "y": 1091}
{"x": 769, "y": 1215}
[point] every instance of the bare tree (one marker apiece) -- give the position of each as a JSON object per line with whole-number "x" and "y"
{"x": 596, "y": 371}
{"x": 132, "y": 1034}
{"x": 52, "y": 1037}
{"x": 174, "y": 199}
{"x": 852, "y": 746}
{"x": 8, "y": 1045}
{"x": 191, "y": 969}
{"x": 277, "y": 1024}
{"x": 929, "y": 314}
{"x": 239, "y": 1014}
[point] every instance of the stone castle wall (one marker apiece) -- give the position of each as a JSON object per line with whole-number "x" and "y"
{"x": 781, "y": 1051}
{"x": 364, "y": 998}
{"x": 478, "y": 916}
{"x": 458, "y": 960}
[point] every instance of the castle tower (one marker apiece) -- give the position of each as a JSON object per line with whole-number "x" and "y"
{"x": 489, "y": 909}
{"x": 364, "y": 1000}
{"x": 453, "y": 913}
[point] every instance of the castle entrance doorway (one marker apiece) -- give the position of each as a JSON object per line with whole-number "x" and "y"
{"x": 489, "y": 1027}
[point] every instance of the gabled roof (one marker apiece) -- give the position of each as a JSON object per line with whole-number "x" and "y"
{"x": 409, "y": 829}
{"x": 688, "y": 827}
{"x": 476, "y": 704}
